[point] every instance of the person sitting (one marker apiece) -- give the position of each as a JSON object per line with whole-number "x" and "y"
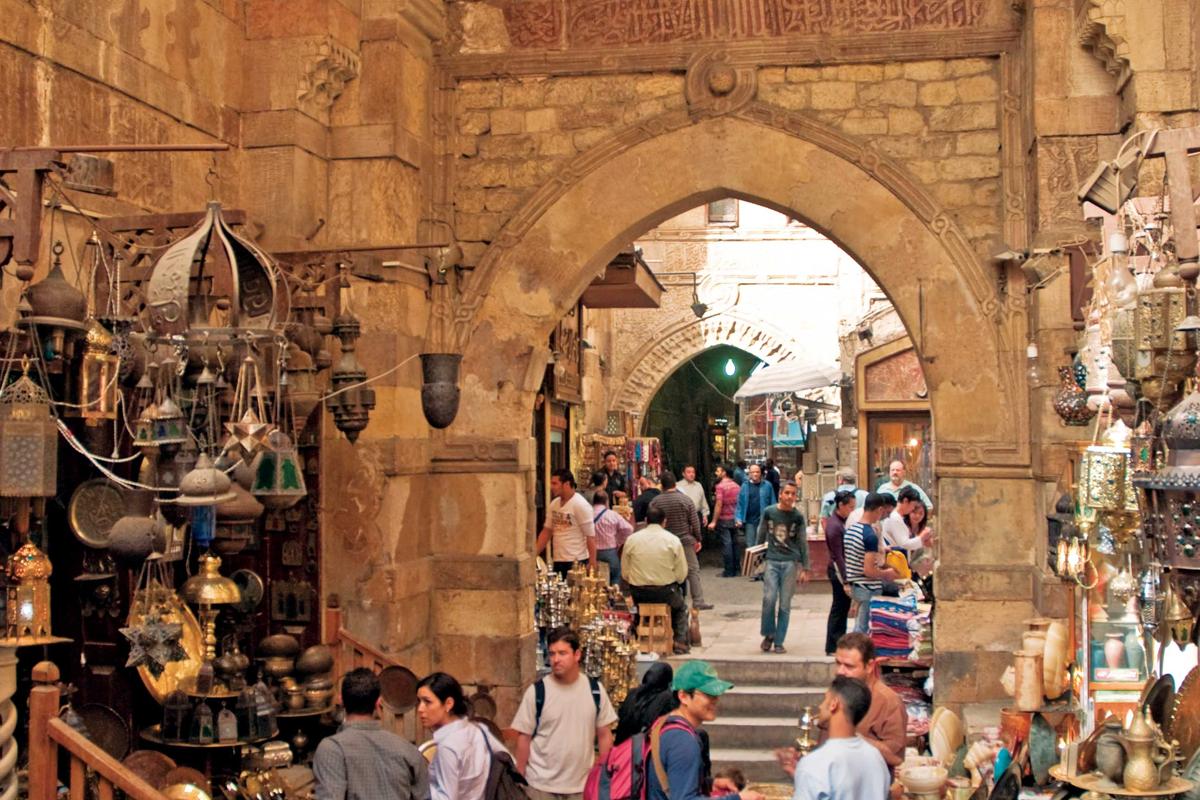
{"x": 653, "y": 566}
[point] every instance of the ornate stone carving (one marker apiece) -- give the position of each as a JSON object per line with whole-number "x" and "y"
{"x": 715, "y": 86}
{"x": 1063, "y": 163}
{"x": 327, "y": 69}
{"x": 1101, "y": 27}
{"x": 457, "y": 455}
{"x": 534, "y": 24}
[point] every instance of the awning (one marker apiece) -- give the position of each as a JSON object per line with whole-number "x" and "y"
{"x": 789, "y": 376}
{"x": 627, "y": 282}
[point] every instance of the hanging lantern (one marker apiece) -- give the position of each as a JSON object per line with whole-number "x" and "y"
{"x": 1103, "y": 471}
{"x": 28, "y": 610}
{"x": 55, "y": 308}
{"x": 236, "y": 521}
{"x": 28, "y": 441}
{"x": 1173, "y": 489}
{"x": 351, "y": 400}
{"x": 170, "y": 426}
{"x": 278, "y": 476}
{"x": 1178, "y": 622}
{"x": 98, "y": 375}
{"x": 202, "y": 490}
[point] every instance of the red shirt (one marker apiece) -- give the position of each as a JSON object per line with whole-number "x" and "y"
{"x": 727, "y": 492}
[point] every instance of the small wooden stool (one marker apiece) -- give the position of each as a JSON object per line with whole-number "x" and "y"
{"x": 654, "y": 629}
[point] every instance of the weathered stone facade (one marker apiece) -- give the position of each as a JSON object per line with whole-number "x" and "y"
{"x": 546, "y": 134}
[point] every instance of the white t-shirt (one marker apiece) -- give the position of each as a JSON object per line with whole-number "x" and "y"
{"x": 572, "y": 525}
{"x": 855, "y": 516}
{"x": 561, "y": 754}
{"x": 897, "y": 534}
{"x": 842, "y": 769}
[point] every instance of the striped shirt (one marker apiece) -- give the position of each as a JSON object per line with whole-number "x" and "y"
{"x": 682, "y": 519}
{"x": 860, "y": 538}
{"x": 611, "y": 528}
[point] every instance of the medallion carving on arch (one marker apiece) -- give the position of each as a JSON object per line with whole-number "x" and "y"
{"x": 655, "y": 362}
{"x": 715, "y": 86}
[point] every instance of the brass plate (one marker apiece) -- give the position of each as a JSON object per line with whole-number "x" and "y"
{"x": 95, "y": 507}
{"x": 398, "y": 686}
{"x": 150, "y": 765}
{"x": 1043, "y": 752}
{"x": 1157, "y": 700}
{"x": 177, "y": 674}
{"x": 106, "y": 729}
{"x": 1185, "y": 714}
{"x": 1093, "y": 782}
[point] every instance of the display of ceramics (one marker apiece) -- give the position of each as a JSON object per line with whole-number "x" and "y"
{"x": 1055, "y": 658}
{"x": 923, "y": 781}
{"x": 945, "y": 735}
{"x": 1071, "y": 402}
{"x": 1114, "y": 650}
{"x": 1027, "y": 683}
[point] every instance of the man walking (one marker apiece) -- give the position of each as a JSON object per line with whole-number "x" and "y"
{"x": 684, "y": 523}
{"x": 561, "y": 724}
{"x": 896, "y": 481}
{"x": 847, "y": 482}
{"x": 615, "y": 483}
{"x": 755, "y": 495}
{"x": 647, "y": 491}
{"x": 864, "y": 563}
{"x": 725, "y": 497}
{"x": 886, "y": 723}
{"x": 694, "y": 490}
{"x": 570, "y": 523}
{"x": 362, "y": 761}
{"x": 835, "y": 531}
{"x": 652, "y": 566}
{"x": 787, "y": 546}
{"x": 679, "y": 770}
{"x": 845, "y": 767}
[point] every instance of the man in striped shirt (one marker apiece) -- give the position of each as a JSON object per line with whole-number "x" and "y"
{"x": 683, "y": 521}
{"x": 865, "y": 570}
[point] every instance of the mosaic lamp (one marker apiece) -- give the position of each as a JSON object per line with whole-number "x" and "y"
{"x": 351, "y": 400}
{"x": 28, "y": 611}
{"x": 28, "y": 441}
{"x": 278, "y": 475}
{"x": 98, "y": 389}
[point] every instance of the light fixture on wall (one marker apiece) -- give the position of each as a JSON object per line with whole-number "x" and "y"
{"x": 730, "y": 368}
{"x": 698, "y": 308}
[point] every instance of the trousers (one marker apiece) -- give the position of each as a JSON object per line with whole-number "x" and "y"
{"x": 839, "y": 611}
{"x": 611, "y": 557}
{"x": 731, "y": 547}
{"x": 779, "y": 584}
{"x": 693, "y": 562}
{"x": 670, "y": 596}
{"x": 863, "y": 595}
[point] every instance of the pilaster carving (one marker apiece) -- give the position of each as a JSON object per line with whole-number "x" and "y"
{"x": 457, "y": 455}
{"x": 1101, "y": 27}
{"x": 327, "y": 70}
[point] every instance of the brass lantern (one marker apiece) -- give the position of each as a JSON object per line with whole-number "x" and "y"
{"x": 1163, "y": 358}
{"x": 1173, "y": 489}
{"x": 1104, "y": 471}
{"x": 351, "y": 400}
{"x": 98, "y": 390}
{"x": 28, "y": 441}
{"x": 28, "y": 611}
{"x": 278, "y": 476}
{"x": 206, "y": 589}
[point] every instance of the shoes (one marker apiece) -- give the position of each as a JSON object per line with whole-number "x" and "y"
{"x": 682, "y": 649}
{"x": 757, "y": 578}
{"x": 702, "y": 606}
{"x": 766, "y": 644}
{"x": 780, "y": 649}
{"x": 728, "y": 575}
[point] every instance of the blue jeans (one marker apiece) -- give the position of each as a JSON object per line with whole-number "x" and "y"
{"x": 731, "y": 547}
{"x": 613, "y": 559}
{"x": 779, "y": 584}
{"x": 751, "y": 533}
{"x": 862, "y": 623}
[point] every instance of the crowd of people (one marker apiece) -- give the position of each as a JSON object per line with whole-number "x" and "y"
{"x": 566, "y": 729}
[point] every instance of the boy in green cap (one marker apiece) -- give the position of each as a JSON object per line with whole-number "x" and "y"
{"x": 679, "y": 757}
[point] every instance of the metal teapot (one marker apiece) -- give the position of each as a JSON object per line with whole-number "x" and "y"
{"x": 1149, "y": 759}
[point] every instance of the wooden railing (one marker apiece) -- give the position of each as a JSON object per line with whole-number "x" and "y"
{"x": 47, "y": 733}
{"x": 349, "y": 651}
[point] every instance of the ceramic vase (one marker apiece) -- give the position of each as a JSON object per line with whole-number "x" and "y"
{"x": 1055, "y": 659}
{"x": 1027, "y": 683}
{"x": 1071, "y": 402}
{"x": 1135, "y": 653}
{"x": 1110, "y": 754}
{"x": 1114, "y": 650}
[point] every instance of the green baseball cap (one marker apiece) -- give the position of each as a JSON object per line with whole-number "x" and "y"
{"x": 699, "y": 676}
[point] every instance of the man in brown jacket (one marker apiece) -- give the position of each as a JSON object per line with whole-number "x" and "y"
{"x": 886, "y": 722}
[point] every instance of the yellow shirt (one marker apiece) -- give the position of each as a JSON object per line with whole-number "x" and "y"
{"x": 653, "y": 556}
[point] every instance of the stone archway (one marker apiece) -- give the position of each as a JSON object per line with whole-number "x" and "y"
{"x": 969, "y": 334}
{"x": 666, "y": 350}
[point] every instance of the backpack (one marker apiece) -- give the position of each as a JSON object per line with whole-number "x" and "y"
{"x": 503, "y": 781}
{"x": 622, "y": 773}
{"x": 539, "y": 700}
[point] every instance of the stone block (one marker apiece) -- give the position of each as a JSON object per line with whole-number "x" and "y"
{"x": 483, "y": 572}
{"x": 893, "y": 70}
{"x": 527, "y": 93}
{"x": 977, "y": 88}
{"x": 938, "y": 93}
{"x": 965, "y": 117}
{"x": 521, "y": 146}
{"x": 904, "y": 120}
{"x": 987, "y": 194}
{"x": 501, "y": 200}
{"x": 924, "y": 171}
{"x": 770, "y": 76}
{"x": 466, "y": 146}
{"x": 648, "y": 86}
{"x": 556, "y": 144}
{"x": 477, "y": 227}
{"x": 861, "y": 72}
{"x": 474, "y": 123}
{"x": 993, "y": 625}
{"x": 985, "y": 584}
{"x": 582, "y": 140}
{"x": 925, "y": 70}
{"x": 478, "y": 94}
{"x": 572, "y": 91}
{"x": 954, "y": 194}
{"x": 484, "y": 173}
{"x": 888, "y": 93}
{"x": 977, "y": 143}
{"x": 792, "y": 96}
{"x": 491, "y": 612}
{"x": 542, "y": 119}
{"x": 504, "y": 121}
{"x": 833, "y": 95}
{"x": 583, "y": 116}
{"x": 1163, "y": 91}
{"x": 961, "y": 67}
{"x": 469, "y": 200}
{"x": 861, "y": 124}
{"x": 802, "y": 74}
{"x": 962, "y": 168}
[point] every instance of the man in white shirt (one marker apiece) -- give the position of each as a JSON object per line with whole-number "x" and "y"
{"x": 896, "y": 533}
{"x": 846, "y": 767}
{"x": 561, "y": 724}
{"x": 569, "y": 521}
{"x": 694, "y": 491}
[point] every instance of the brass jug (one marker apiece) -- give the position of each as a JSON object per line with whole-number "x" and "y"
{"x": 1148, "y": 759}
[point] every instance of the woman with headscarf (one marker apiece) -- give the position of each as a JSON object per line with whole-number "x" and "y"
{"x": 647, "y": 702}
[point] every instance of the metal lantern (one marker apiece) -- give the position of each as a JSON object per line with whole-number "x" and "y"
{"x": 1104, "y": 471}
{"x": 1178, "y": 622}
{"x": 236, "y": 521}
{"x": 1163, "y": 358}
{"x": 278, "y": 475}
{"x": 28, "y": 441}
{"x": 98, "y": 373}
{"x": 351, "y": 400}
{"x": 206, "y": 589}
{"x": 28, "y": 610}
{"x": 170, "y": 426}
{"x": 202, "y": 490}
{"x": 1173, "y": 490}
{"x": 53, "y": 308}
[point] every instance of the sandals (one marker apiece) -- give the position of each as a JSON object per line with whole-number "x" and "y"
{"x": 780, "y": 649}
{"x": 766, "y": 644}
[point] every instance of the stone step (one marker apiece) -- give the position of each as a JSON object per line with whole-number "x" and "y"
{"x": 748, "y": 700}
{"x": 759, "y": 766}
{"x": 752, "y": 733}
{"x": 773, "y": 671}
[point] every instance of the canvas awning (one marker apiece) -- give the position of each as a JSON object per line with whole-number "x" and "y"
{"x": 789, "y": 376}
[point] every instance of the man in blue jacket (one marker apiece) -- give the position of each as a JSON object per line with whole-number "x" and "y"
{"x": 755, "y": 495}
{"x": 682, "y": 748}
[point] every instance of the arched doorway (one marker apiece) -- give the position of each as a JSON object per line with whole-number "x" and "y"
{"x": 969, "y": 334}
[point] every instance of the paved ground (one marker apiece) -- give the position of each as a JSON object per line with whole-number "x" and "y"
{"x": 731, "y": 629}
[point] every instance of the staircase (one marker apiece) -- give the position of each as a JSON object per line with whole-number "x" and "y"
{"x": 762, "y": 711}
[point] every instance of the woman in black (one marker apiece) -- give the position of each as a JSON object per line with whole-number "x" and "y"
{"x": 647, "y": 702}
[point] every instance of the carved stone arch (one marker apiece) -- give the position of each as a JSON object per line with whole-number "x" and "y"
{"x": 564, "y": 234}
{"x": 659, "y": 357}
